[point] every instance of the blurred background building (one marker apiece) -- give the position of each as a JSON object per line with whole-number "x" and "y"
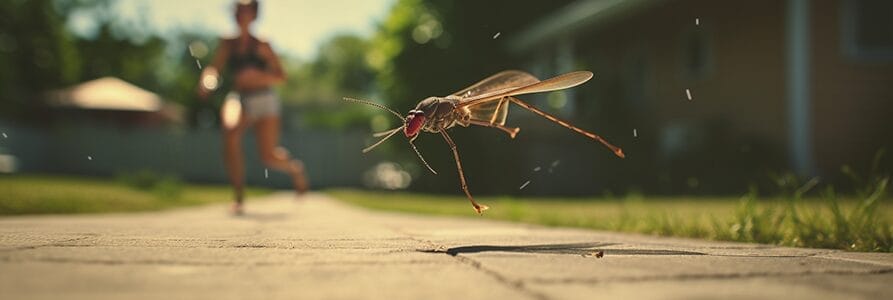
{"x": 799, "y": 83}
{"x": 110, "y": 99}
{"x": 775, "y": 86}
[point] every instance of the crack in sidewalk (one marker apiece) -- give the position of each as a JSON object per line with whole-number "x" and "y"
{"x": 61, "y": 243}
{"x": 516, "y": 285}
{"x": 704, "y": 276}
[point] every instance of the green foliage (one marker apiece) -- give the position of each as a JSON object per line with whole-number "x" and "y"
{"x": 847, "y": 224}
{"x": 858, "y": 224}
{"x": 435, "y": 47}
{"x": 797, "y": 216}
{"x": 36, "y": 53}
{"x": 165, "y": 187}
{"x": 340, "y": 69}
{"x": 110, "y": 54}
{"x": 858, "y": 228}
{"x": 30, "y": 194}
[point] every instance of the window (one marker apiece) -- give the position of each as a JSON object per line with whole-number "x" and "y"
{"x": 635, "y": 74}
{"x": 867, "y": 32}
{"x": 696, "y": 53}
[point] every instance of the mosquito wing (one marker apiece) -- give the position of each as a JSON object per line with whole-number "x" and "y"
{"x": 502, "y": 81}
{"x": 559, "y": 82}
{"x": 494, "y": 112}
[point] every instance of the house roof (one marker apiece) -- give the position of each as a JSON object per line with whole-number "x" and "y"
{"x": 567, "y": 20}
{"x": 107, "y": 93}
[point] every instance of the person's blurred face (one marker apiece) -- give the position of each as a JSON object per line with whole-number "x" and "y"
{"x": 244, "y": 16}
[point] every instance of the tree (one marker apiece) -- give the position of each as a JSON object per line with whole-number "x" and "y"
{"x": 433, "y": 47}
{"x": 339, "y": 69}
{"x": 111, "y": 54}
{"x": 36, "y": 54}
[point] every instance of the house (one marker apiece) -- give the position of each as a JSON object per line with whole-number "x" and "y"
{"x": 799, "y": 85}
{"x": 112, "y": 100}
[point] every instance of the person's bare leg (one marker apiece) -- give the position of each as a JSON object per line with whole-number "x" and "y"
{"x": 276, "y": 157}
{"x": 234, "y": 161}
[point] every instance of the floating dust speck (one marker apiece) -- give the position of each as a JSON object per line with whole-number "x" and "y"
{"x": 199, "y": 64}
{"x": 266, "y": 173}
{"x": 635, "y": 133}
{"x": 553, "y": 165}
{"x": 4, "y": 135}
{"x": 496, "y": 35}
{"x": 537, "y": 169}
{"x": 688, "y": 94}
{"x": 697, "y": 21}
{"x": 89, "y": 157}
{"x": 524, "y": 185}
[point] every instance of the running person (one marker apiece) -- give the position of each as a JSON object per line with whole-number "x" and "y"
{"x": 254, "y": 69}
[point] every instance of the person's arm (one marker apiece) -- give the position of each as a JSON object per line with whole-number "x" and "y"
{"x": 209, "y": 80}
{"x": 274, "y": 74}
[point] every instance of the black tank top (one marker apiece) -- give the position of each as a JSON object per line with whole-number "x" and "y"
{"x": 250, "y": 59}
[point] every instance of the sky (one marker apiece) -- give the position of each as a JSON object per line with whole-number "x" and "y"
{"x": 295, "y": 27}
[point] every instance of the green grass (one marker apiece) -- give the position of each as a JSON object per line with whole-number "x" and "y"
{"x": 35, "y": 194}
{"x": 824, "y": 222}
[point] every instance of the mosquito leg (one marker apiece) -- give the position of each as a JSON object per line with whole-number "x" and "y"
{"x": 477, "y": 207}
{"x": 512, "y": 131}
{"x": 419, "y": 154}
{"x": 496, "y": 111}
{"x": 386, "y": 132}
{"x": 392, "y": 133}
{"x": 617, "y": 151}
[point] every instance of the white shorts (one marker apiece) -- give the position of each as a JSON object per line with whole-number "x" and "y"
{"x": 259, "y": 104}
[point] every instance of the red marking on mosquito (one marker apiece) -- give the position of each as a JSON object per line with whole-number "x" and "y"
{"x": 414, "y": 124}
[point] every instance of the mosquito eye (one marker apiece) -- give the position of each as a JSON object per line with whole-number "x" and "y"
{"x": 413, "y": 124}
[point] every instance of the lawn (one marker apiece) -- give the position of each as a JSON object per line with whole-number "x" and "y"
{"x": 38, "y": 194}
{"x": 851, "y": 224}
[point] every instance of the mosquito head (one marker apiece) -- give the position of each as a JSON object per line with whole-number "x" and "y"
{"x": 414, "y": 122}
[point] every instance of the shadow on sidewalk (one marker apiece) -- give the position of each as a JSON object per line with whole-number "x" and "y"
{"x": 574, "y": 249}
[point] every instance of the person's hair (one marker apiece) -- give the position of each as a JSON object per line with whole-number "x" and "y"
{"x": 252, "y": 4}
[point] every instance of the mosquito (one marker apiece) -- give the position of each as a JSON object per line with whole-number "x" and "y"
{"x": 486, "y": 104}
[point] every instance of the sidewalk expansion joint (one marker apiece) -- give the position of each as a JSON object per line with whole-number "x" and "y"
{"x": 706, "y": 276}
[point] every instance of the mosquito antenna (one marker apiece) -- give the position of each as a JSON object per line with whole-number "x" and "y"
{"x": 370, "y": 103}
{"x": 393, "y": 132}
{"x": 422, "y": 158}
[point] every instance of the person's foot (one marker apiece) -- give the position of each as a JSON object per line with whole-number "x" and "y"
{"x": 299, "y": 178}
{"x": 237, "y": 209}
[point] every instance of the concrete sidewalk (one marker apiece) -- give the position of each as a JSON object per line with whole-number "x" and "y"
{"x": 322, "y": 249}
